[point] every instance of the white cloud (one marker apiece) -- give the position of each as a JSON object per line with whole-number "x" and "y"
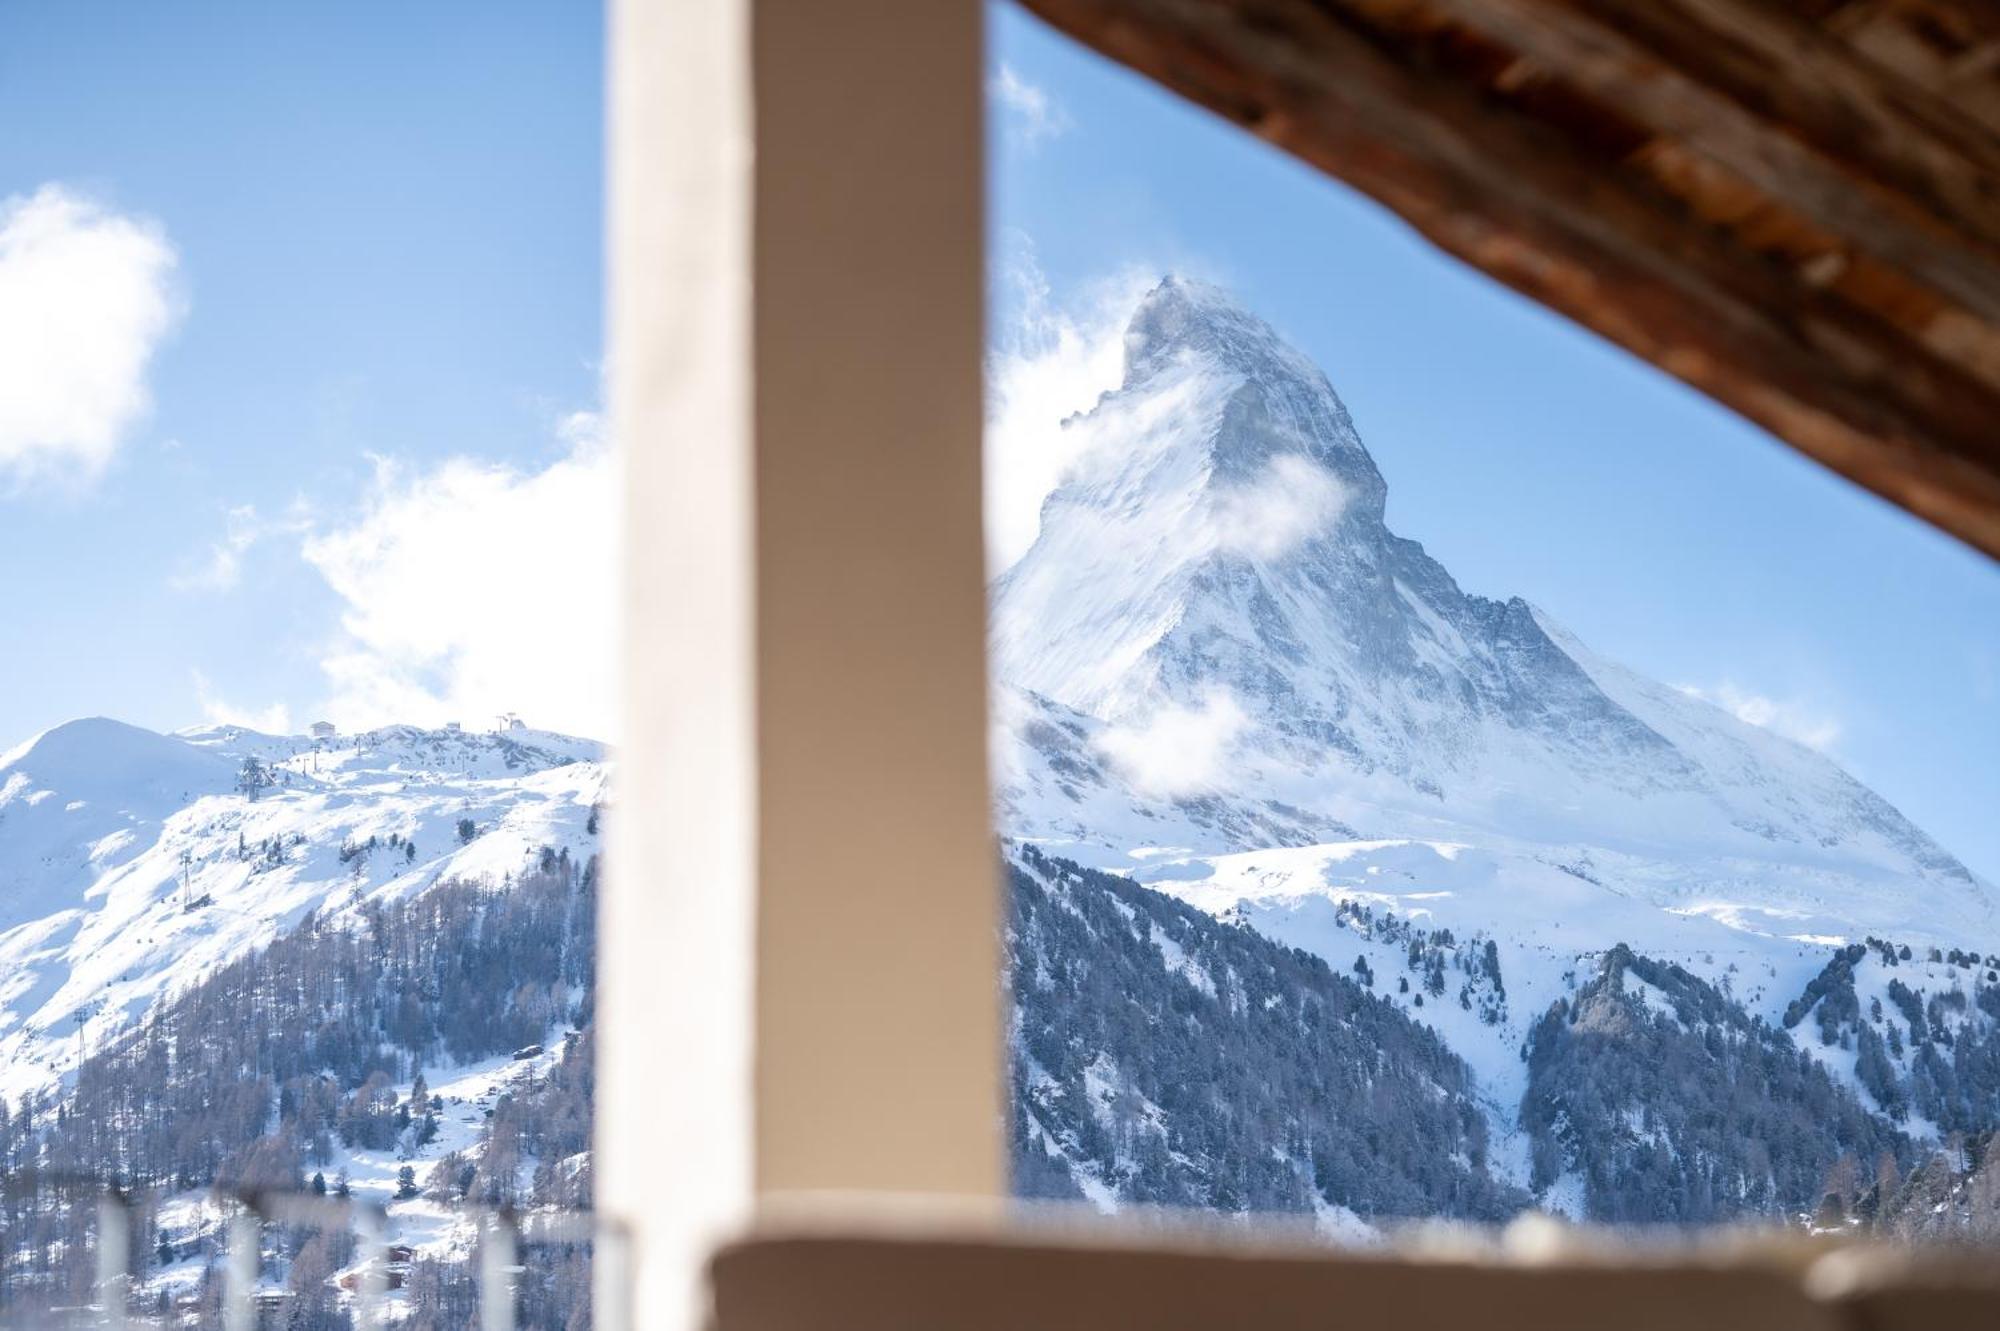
{"x": 220, "y": 568}
{"x": 216, "y": 711}
{"x": 475, "y": 589}
{"x": 1177, "y": 750}
{"x": 1794, "y": 719}
{"x": 1047, "y": 364}
{"x": 1271, "y": 516}
{"x": 85, "y": 298}
{"x": 1032, "y": 114}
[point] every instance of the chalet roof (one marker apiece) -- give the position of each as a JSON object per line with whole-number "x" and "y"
{"x": 1795, "y": 208}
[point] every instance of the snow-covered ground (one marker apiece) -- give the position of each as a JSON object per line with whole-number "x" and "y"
{"x": 1549, "y": 926}
{"x": 430, "y": 1229}
{"x": 132, "y": 863}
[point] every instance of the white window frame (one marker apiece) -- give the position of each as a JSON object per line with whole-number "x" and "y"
{"x": 800, "y": 980}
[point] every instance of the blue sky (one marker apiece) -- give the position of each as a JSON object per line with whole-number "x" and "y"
{"x": 382, "y": 225}
{"x": 335, "y": 450}
{"x": 1529, "y": 457}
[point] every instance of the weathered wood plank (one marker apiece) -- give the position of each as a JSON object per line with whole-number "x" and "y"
{"x": 1517, "y": 200}
{"x": 1791, "y": 72}
{"x": 1834, "y": 194}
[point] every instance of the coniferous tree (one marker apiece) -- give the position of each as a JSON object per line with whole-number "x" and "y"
{"x": 253, "y": 779}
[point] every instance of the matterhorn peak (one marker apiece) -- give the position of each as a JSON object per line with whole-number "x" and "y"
{"x": 1182, "y": 315}
{"x": 1216, "y": 566}
{"x": 1272, "y": 416}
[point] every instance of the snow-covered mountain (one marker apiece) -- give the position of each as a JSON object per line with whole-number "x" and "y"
{"x": 1216, "y": 617}
{"x": 1335, "y": 889}
{"x": 133, "y": 863}
{"x": 1221, "y": 674}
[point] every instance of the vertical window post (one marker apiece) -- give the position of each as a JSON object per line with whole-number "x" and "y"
{"x": 800, "y": 974}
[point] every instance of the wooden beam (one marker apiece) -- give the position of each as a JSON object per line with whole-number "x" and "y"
{"x": 1603, "y": 245}
{"x": 1957, "y": 256}
{"x": 1791, "y": 71}
{"x": 932, "y": 1275}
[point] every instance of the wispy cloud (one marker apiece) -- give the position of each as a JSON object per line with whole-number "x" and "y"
{"x": 1289, "y": 501}
{"x": 1178, "y": 750}
{"x": 473, "y": 589}
{"x": 1049, "y": 361}
{"x": 1033, "y": 116}
{"x": 220, "y": 567}
{"x": 86, "y": 296}
{"x": 1793, "y": 718}
{"x": 275, "y": 719}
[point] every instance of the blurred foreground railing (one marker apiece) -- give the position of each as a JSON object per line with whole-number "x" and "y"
{"x": 502, "y": 1235}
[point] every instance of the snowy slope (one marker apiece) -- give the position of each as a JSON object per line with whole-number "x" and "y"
{"x": 1549, "y": 922}
{"x": 130, "y": 863}
{"x": 429, "y": 1228}
{"x": 1221, "y": 673}
{"x": 1218, "y": 554}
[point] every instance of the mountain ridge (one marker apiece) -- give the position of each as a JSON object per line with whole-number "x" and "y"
{"x": 132, "y": 862}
